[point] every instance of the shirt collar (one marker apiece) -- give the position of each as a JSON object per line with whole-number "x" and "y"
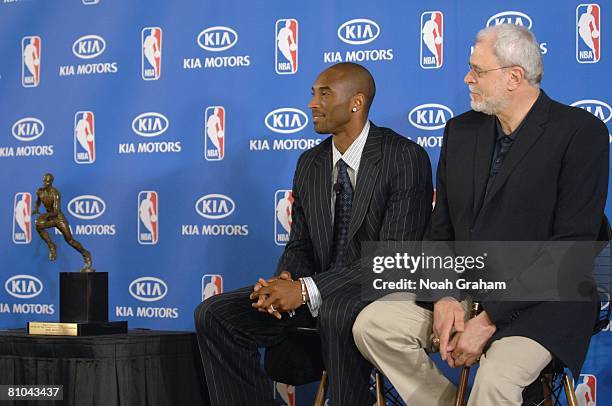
{"x": 352, "y": 156}
{"x": 512, "y": 136}
{"x": 501, "y": 134}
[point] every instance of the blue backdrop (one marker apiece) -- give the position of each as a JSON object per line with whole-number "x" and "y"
{"x": 173, "y": 129}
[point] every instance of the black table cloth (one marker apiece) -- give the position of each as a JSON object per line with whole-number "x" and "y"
{"x": 141, "y": 367}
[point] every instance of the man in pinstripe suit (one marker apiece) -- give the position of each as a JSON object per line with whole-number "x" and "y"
{"x": 364, "y": 183}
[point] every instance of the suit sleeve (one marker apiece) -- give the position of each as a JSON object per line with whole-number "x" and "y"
{"x": 579, "y": 212}
{"x": 441, "y": 226}
{"x": 440, "y": 233}
{"x": 298, "y": 255}
{"x": 407, "y": 212}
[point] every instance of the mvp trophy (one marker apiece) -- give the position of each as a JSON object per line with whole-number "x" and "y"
{"x": 84, "y": 294}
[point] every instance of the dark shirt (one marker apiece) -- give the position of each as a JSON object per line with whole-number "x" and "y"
{"x": 501, "y": 135}
{"x": 503, "y": 144}
{"x": 502, "y": 148}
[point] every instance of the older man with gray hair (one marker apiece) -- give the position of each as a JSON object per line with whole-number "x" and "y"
{"x": 518, "y": 167}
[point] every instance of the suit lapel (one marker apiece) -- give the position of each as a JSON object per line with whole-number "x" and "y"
{"x": 320, "y": 198}
{"x": 526, "y": 138}
{"x": 366, "y": 178}
{"x": 485, "y": 142}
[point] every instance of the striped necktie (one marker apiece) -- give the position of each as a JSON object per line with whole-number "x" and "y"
{"x": 342, "y": 213}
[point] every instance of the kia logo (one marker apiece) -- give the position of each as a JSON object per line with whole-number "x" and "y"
{"x": 598, "y": 108}
{"x": 510, "y": 17}
{"x": 286, "y": 120}
{"x": 430, "y": 116}
{"x": 28, "y": 129}
{"x": 23, "y": 286}
{"x": 217, "y": 39}
{"x": 148, "y": 289}
{"x": 88, "y": 46}
{"x": 86, "y": 207}
{"x": 150, "y": 124}
{"x": 215, "y": 206}
{"x": 358, "y": 31}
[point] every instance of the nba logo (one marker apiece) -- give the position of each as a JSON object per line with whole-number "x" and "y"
{"x": 214, "y": 137}
{"x": 284, "y": 394}
{"x": 84, "y": 137}
{"x": 286, "y": 46}
{"x": 586, "y": 391}
{"x": 283, "y": 204}
{"x": 588, "y": 33}
{"x": 211, "y": 285}
{"x": 30, "y": 61}
{"x": 432, "y": 32}
{"x": 151, "y": 53}
{"x": 22, "y": 218}
{"x": 148, "y": 219}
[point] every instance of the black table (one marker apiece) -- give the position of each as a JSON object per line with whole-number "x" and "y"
{"x": 141, "y": 367}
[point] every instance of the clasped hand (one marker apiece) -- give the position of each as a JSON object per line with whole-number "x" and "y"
{"x": 276, "y": 295}
{"x": 466, "y": 345}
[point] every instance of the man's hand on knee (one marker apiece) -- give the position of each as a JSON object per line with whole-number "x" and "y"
{"x": 448, "y": 315}
{"x": 471, "y": 343}
{"x": 281, "y": 295}
{"x": 262, "y": 282}
{"x": 284, "y": 275}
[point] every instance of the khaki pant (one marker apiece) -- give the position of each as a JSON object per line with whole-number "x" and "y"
{"x": 393, "y": 333}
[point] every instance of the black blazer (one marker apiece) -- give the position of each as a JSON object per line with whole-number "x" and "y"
{"x": 392, "y": 202}
{"x": 552, "y": 187}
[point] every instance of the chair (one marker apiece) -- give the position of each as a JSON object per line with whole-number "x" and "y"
{"x": 553, "y": 377}
{"x": 304, "y": 343}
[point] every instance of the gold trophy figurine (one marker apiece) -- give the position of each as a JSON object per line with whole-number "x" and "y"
{"x": 51, "y": 199}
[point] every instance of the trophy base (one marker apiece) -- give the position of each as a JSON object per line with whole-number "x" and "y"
{"x": 76, "y": 329}
{"x": 83, "y": 297}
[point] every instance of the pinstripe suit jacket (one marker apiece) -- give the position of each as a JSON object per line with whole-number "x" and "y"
{"x": 391, "y": 202}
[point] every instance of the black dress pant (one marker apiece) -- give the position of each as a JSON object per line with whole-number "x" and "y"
{"x": 230, "y": 332}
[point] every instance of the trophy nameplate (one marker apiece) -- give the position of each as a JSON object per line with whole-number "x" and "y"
{"x": 76, "y": 329}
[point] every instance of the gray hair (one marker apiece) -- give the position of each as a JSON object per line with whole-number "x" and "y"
{"x": 516, "y": 46}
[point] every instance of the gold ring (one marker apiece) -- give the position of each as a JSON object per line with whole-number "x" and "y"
{"x": 435, "y": 341}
